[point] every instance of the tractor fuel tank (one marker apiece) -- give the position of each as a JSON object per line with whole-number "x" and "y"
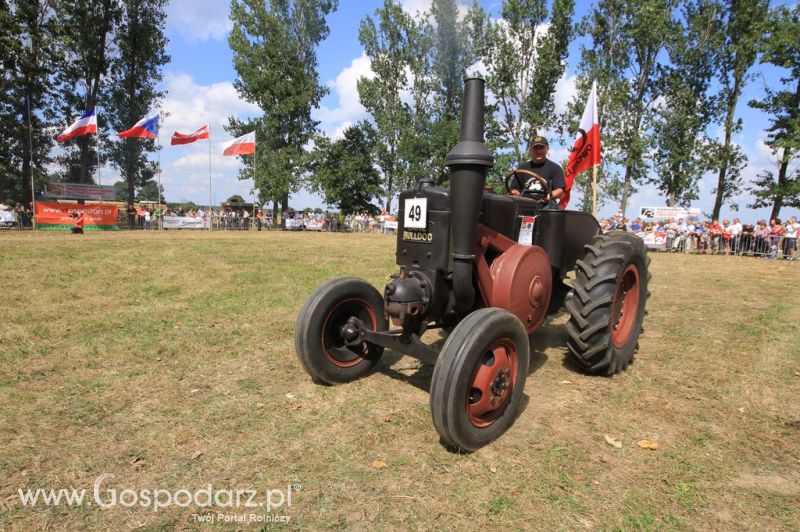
{"x": 559, "y": 232}
{"x": 563, "y": 234}
{"x": 423, "y": 237}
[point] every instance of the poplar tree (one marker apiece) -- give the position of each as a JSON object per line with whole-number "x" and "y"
{"x": 274, "y": 54}
{"x": 743, "y": 26}
{"x": 390, "y": 41}
{"x": 29, "y": 55}
{"x": 683, "y": 151}
{"x": 454, "y": 42}
{"x": 132, "y": 91}
{"x": 525, "y": 58}
{"x": 783, "y": 104}
{"x": 627, "y": 37}
{"x": 88, "y": 28}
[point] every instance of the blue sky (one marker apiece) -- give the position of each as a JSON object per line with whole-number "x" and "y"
{"x": 199, "y": 85}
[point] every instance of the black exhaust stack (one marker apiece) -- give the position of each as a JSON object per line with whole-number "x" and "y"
{"x": 469, "y": 161}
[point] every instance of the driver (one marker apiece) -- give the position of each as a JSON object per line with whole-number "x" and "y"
{"x": 540, "y": 164}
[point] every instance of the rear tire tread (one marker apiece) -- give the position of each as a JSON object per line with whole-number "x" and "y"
{"x": 594, "y": 288}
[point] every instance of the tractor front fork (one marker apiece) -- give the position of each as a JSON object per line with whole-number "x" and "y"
{"x": 405, "y": 340}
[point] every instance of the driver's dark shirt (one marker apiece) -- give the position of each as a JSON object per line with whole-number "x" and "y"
{"x": 549, "y": 170}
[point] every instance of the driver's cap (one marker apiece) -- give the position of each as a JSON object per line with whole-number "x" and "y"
{"x": 538, "y": 140}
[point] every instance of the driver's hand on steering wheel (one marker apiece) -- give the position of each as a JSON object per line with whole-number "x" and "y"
{"x": 515, "y": 192}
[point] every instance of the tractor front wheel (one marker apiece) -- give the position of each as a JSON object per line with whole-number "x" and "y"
{"x": 319, "y": 335}
{"x": 478, "y": 379}
{"x": 607, "y": 302}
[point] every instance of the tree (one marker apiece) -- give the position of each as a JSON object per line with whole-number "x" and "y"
{"x": 780, "y": 49}
{"x": 416, "y": 151}
{"x": 345, "y": 171}
{"x": 148, "y": 192}
{"x": 132, "y": 88}
{"x": 8, "y": 105}
{"x": 88, "y": 25}
{"x": 391, "y": 45}
{"x": 683, "y": 150}
{"x": 743, "y": 26}
{"x": 274, "y": 54}
{"x": 30, "y": 55}
{"x": 525, "y": 58}
{"x": 151, "y": 191}
{"x": 453, "y": 49}
{"x": 121, "y": 191}
{"x": 627, "y": 38}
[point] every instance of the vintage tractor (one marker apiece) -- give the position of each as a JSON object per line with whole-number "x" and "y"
{"x": 489, "y": 268}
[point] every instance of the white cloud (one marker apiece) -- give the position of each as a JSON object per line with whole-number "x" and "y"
{"x": 199, "y": 20}
{"x": 339, "y": 133}
{"x": 345, "y": 86}
{"x": 412, "y": 7}
{"x": 191, "y": 105}
{"x": 565, "y": 92}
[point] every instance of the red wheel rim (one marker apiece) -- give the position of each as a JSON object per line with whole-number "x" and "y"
{"x": 491, "y": 385}
{"x": 334, "y": 347}
{"x": 625, "y": 309}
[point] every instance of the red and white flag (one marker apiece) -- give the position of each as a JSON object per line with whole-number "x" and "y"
{"x": 87, "y": 123}
{"x": 244, "y": 145}
{"x": 586, "y": 150}
{"x": 180, "y": 138}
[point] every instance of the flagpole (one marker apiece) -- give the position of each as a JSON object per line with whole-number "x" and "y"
{"x": 255, "y": 151}
{"x": 30, "y": 161}
{"x": 594, "y": 190}
{"x": 210, "y": 204}
{"x": 97, "y": 144}
{"x": 158, "y": 158}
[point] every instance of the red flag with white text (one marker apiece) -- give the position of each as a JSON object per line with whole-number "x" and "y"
{"x": 585, "y": 152}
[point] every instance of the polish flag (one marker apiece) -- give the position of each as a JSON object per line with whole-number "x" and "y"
{"x": 585, "y": 152}
{"x": 180, "y": 138}
{"x": 244, "y": 145}
{"x": 146, "y": 128}
{"x": 84, "y": 125}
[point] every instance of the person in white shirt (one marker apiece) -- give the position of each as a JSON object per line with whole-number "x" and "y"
{"x": 672, "y": 232}
{"x": 735, "y": 230}
{"x": 688, "y": 237}
{"x": 791, "y": 230}
{"x": 680, "y": 236}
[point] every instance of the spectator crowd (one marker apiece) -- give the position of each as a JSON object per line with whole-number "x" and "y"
{"x": 773, "y": 239}
{"x": 15, "y": 215}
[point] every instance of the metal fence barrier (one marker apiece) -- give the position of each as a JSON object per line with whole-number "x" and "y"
{"x": 745, "y": 244}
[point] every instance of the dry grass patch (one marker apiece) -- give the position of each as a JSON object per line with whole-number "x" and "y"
{"x": 167, "y": 359}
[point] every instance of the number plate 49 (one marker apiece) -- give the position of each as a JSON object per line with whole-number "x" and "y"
{"x": 416, "y": 213}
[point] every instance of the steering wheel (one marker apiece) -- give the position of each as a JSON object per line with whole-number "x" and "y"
{"x": 533, "y": 177}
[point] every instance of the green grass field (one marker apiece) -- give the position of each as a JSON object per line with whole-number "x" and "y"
{"x": 167, "y": 360}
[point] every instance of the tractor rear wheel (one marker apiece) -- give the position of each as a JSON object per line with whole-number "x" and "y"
{"x": 478, "y": 379}
{"x": 318, "y": 339}
{"x": 607, "y": 302}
